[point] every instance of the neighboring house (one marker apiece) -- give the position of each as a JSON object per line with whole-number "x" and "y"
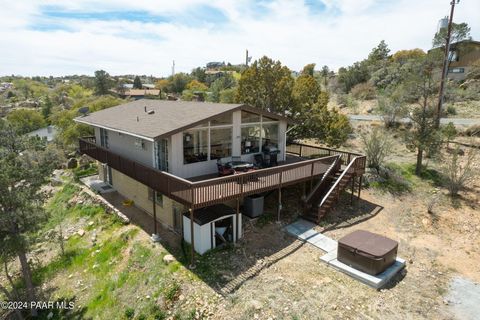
{"x": 163, "y": 155}
{"x": 48, "y": 133}
{"x": 5, "y": 86}
{"x": 137, "y": 93}
{"x": 462, "y": 55}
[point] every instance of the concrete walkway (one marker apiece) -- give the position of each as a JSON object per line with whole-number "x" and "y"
{"x": 304, "y": 230}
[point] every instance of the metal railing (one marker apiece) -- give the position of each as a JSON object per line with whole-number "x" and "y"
{"x": 305, "y": 150}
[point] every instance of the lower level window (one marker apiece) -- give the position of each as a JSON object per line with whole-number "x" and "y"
{"x": 158, "y": 198}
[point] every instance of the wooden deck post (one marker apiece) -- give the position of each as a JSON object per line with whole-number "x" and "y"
{"x": 353, "y": 189}
{"x": 236, "y": 220}
{"x": 359, "y": 187}
{"x": 192, "y": 241}
{"x": 311, "y": 177}
{"x": 279, "y": 198}
{"x": 154, "y": 201}
{"x": 304, "y": 191}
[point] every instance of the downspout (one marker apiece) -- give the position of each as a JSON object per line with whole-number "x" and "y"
{"x": 285, "y": 142}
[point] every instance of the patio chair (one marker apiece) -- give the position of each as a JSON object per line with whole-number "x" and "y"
{"x": 259, "y": 161}
{"x": 223, "y": 170}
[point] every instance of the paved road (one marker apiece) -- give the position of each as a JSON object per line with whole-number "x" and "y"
{"x": 456, "y": 121}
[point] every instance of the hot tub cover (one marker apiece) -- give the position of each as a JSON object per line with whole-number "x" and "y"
{"x": 368, "y": 244}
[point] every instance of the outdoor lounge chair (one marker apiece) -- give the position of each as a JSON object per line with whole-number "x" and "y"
{"x": 224, "y": 170}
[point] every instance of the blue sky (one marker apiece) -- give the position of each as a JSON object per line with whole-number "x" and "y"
{"x": 53, "y": 37}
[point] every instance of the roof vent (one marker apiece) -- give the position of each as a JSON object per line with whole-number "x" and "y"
{"x": 151, "y": 112}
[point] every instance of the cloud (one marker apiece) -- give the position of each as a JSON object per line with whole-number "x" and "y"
{"x": 143, "y": 37}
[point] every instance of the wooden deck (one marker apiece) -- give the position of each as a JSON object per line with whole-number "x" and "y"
{"x": 198, "y": 194}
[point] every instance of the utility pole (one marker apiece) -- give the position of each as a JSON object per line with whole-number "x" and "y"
{"x": 173, "y": 68}
{"x": 445, "y": 64}
{"x": 247, "y": 58}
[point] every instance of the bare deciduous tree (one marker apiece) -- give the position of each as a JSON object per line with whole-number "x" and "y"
{"x": 458, "y": 173}
{"x": 378, "y": 145}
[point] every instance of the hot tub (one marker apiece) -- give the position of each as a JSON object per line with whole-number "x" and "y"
{"x": 366, "y": 251}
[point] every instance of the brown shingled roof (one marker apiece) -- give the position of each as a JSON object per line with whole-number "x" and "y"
{"x": 168, "y": 117}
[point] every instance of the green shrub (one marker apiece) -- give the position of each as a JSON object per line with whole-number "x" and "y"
{"x": 364, "y": 91}
{"x": 172, "y": 291}
{"x": 394, "y": 179}
{"x": 451, "y": 110}
{"x": 129, "y": 313}
{"x": 347, "y": 101}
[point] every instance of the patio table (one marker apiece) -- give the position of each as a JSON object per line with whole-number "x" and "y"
{"x": 240, "y": 165}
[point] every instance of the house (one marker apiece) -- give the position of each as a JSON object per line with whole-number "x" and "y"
{"x": 164, "y": 155}
{"x": 137, "y": 93}
{"x": 47, "y": 133}
{"x": 463, "y": 55}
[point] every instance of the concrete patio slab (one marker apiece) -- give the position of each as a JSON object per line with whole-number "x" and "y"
{"x": 377, "y": 281}
{"x": 304, "y": 230}
{"x": 96, "y": 184}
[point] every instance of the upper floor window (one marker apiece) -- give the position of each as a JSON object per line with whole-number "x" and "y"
{"x": 195, "y": 145}
{"x": 140, "y": 144}
{"x": 104, "y": 138}
{"x": 248, "y": 117}
{"x": 270, "y": 135}
{"x": 220, "y": 143}
{"x": 222, "y": 120}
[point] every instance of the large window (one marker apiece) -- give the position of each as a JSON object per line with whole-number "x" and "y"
{"x": 222, "y": 120}
{"x": 162, "y": 154}
{"x": 251, "y": 139}
{"x": 270, "y": 135}
{"x": 258, "y": 132}
{"x": 248, "y": 117}
{"x": 195, "y": 145}
{"x": 220, "y": 143}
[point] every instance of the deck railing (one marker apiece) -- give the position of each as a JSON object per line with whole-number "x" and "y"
{"x": 305, "y": 150}
{"x": 212, "y": 191}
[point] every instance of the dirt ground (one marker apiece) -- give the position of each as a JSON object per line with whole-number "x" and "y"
{"x": 463, "y": 109}
{"x": 271, "y": 275}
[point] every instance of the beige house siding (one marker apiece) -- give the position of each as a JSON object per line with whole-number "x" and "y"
{"x": 101, "y": 171}
{"x": 138, "y": 192}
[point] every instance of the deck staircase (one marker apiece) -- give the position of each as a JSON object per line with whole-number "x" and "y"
{"x": 326, "y": 192}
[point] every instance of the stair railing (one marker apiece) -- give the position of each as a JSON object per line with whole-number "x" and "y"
{"x": 350, "y": 168}
{"x": 328, "y": 173}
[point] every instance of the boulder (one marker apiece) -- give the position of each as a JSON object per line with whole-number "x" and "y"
{"x": 169, "y": 259}
{"x": 81, "y": 232}
{"x": 84, "y": 160}
{"x": 72, "y": 163}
